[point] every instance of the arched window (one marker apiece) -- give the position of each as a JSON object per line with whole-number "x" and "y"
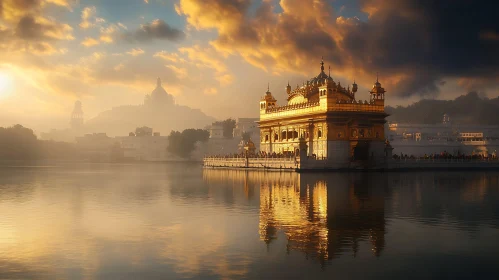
{"x": 362, "y": 133}
{"x": 266, "y": 138}
{"x": 295, "y": 134}
{"x": 319, "y": 134}
{"x": 283, "y": 135}
{"x": 276, "y": 137}
{"x": 354, "y": 133}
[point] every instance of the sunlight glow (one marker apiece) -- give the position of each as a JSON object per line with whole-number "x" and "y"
{"x": 5, "y": 81}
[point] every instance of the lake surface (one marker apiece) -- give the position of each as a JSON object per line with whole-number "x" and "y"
{"x": 178, "y": 221}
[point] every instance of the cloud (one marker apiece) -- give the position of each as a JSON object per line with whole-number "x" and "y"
{"x": 414, "y": 45}
{"x": 171, "y": 57}
{"x": 136, "y": 52}
{"x": 205, "y": 57}
{"x": 65, "y": 3}
{"x": 107, "y": 34}
{"x": 210, "y": 91}
{"x": 428, "y": 41}
{"x": 157, "y": 29}
{"x": 88, "y": 18}
{"x": 181, "y": 73}
{"x": 89, "y": 42}
{"x": 12, "y": 10}
{"x": 30, "y": 28}
{"x": 24, "y": 29}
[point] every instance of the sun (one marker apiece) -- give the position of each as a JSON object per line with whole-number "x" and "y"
{"x": 4, "y": 82}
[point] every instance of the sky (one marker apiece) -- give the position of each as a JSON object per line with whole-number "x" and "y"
{"x": 220, "y": 55}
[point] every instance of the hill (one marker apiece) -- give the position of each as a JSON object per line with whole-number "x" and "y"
{"x": 466, "y": 109}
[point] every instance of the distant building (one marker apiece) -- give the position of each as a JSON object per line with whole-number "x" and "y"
{"x": 77, "y": 116}
{"x": 216, "y": 131}
{"x": 95, "y": 146}
{"x": 420, "y": 139}
{"x": 246, "y": 125}
{"x": 144, "y": 146}
{"x": 159, "y": 97}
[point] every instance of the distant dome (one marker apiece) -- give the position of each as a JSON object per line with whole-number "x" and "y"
{"x": 160, "y": 96}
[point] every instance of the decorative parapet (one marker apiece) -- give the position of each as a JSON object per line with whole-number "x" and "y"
{"x": 315, "y": 107}
{"x": 292, "y": 107}
{"x": 356, "y": 107}
{"x": 292, "y": 110}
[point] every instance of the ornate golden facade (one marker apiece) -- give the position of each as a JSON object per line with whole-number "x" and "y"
{"x": 327, "y": 117}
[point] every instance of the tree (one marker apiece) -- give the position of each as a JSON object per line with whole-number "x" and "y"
{"x": 466, "y": 109}
{"x": 18, "y": 142}
{"x": 143, "y": 131}
{"x": 228, "y": 127}
{"x": 183, "y": 143}
{"x": 246, "y": 136}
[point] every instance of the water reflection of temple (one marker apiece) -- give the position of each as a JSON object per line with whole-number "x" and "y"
{"x": 322, "y": 216}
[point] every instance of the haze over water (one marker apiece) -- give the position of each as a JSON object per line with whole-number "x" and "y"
{"x": 170, "y": 221}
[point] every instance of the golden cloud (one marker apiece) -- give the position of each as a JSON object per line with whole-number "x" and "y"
{"x": 171, "y": 57}
{"x": 204, "y": 57}
{"x": 136, "y": 52}
{"x": 276, "y": 35}
{"x": 210, "y": 91}
{"x": 181, "y": 73}
{"x": 89, "y": 42}
{"x": 86, "y": 17}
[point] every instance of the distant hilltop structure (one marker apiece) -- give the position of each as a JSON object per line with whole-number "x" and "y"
{"x": 77, "y": 116}
{"x": 159, "y": 110}
{"x": 159, "y": 96}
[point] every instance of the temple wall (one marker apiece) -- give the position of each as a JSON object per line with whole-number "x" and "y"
{"x": 338, "y": 151}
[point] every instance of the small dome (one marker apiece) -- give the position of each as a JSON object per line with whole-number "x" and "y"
{"x": 160, "y": 95}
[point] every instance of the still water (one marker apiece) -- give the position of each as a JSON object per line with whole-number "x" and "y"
{"x": 171, "y": 221}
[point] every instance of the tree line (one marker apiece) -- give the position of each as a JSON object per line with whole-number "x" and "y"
{"x": 466, "y": 109}
{"x": 20, "y": 143}
{"x": 183, "y": 143}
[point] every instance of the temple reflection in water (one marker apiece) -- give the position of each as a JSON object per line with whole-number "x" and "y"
{"x": 323, "y": 216}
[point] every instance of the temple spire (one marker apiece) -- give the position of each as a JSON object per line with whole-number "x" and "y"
{"x": 322, "y": 63}
{"x": 377, "y": 77}
{"x": 329, "y": 71}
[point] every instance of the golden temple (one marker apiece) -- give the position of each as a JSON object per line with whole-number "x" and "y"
{"x": 323, "y": 120}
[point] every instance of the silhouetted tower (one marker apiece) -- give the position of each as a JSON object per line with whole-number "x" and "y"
{"x": 377, "y": 93}
{"x": 77, "y": 116}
